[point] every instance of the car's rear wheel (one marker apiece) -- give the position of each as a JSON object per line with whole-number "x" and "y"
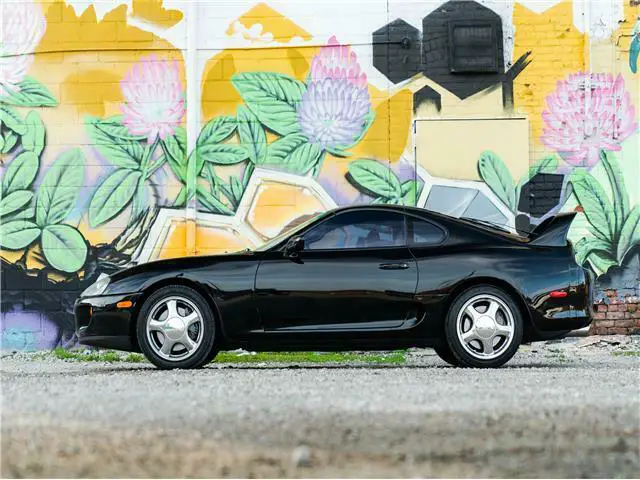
{"x": 176, "y": 328}
{"x": 483, "y": 327}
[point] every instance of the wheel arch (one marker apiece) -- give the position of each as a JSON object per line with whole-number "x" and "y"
{"x": 171, "y": 281}
{"x": 502, "y": 284}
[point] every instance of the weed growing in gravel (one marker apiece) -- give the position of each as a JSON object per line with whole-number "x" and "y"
{"x": 393, "y": 358}
{"x": 311, "y": 357}
{"x": 626, "y": 353}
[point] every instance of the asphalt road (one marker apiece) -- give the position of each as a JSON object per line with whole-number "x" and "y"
{"x": 552, "y": 411}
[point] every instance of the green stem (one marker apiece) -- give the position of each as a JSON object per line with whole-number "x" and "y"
{"x": 148, "y": 154}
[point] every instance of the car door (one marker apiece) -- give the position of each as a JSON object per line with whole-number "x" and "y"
{"x": 355, "y": 272}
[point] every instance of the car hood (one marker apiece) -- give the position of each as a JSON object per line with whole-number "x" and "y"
{"x": 181, "y": 263}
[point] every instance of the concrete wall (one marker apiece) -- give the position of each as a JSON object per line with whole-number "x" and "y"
{"x": 501, "y": 110}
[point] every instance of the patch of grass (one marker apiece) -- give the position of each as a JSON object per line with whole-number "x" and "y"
{"x": 311, "y": 357}
{"x": 393, "y": 358}
{"x": 626, "y": 353}
{"x": 106, "y": 356}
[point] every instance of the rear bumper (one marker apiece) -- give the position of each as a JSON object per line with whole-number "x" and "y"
{"x": 100, "y": 323}
{"x": 573, "y": 312}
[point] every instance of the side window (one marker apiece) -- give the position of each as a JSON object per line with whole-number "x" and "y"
{"x": 365, "y": 229}
{"x": 423, "y": 233}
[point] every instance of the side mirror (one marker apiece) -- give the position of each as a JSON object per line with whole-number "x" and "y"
{"x": 294, "y": 246}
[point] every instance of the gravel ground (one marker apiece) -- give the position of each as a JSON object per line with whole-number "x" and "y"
{"x": 556, "y": 410}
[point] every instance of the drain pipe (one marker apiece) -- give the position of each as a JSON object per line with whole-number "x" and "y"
{"x": 193, "y": 116}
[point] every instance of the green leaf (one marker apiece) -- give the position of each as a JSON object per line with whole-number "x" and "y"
{"x": 216, "y": 130}
{"x": 236, "y": 189}
{"x": 33, "y": 139}
{"x": 222, "y": 154}
{"x": 2, "y": 141}
{"x": 337, "y": 152}
{"x": 211, "y": 203}
{"x": 375, "y": 178}
{"x": 246, "y": 176}
{"x": 181, "y": 198}
{"x": 194, "y": 167}
{"x": 59, "y": 189}
{"x": 599, "y": 235}
{"x": 31, "y": 94}
{"x": 594, "y": 202}
{"x": 25, "y": 214}
{"x": 64, "y": 247}
{"x": 113, "y": 196}
{"x": 601, "y": 262}
{"x": 630, "y": 234}
{"x": 121, "y": 152}
{"x": 272, "y": 97}
{"x": 139, "y": 205}
{"x": 620, "y": 197}
{"x": 586, "y": 246}
{"x": 15, "y": 201}
{"x": 410, "y": 192}
{"x": 18, "y": 234}
{"x": 115, "y": 128}
{"x": 496, "y": 175}
{"x": 252, "y": 135}
{"x": 20, "y": 173}
{"x": 8, "y": 141}
{"x": 11, "y": 118}
{"x": 294, "y": 154}
{"x": 176, "y": 157}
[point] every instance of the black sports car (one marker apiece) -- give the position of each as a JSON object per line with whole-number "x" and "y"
{"x": 355, "y": 278}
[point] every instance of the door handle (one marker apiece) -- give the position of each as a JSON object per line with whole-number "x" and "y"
{"x": 393, "y": 266}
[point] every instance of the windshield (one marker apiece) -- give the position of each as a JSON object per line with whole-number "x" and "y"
{"x": 289, "y": 232}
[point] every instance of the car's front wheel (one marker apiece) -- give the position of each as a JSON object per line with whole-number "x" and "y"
{"x": 176, "y": 328}
{"x": 483, "y": 327}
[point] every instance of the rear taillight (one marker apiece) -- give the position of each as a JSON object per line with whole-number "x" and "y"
{"x": 558, "y": 294}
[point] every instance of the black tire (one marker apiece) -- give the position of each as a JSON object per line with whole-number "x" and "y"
{"x": 204, "y": 350}
{"x": 507, "y": 350}
{"x": 444, "y": 352}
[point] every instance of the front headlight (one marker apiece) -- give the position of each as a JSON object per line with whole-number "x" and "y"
{"x": 97, "y": 287}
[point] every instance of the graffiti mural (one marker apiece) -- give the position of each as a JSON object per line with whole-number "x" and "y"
{"x": 484, "y": 109}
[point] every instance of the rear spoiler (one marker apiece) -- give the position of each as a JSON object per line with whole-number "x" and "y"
{"x": 553, "y": 231}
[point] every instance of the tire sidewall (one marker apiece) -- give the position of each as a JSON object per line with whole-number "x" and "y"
{"x": 204, "y": 350}
{"x": 465, "y": 358}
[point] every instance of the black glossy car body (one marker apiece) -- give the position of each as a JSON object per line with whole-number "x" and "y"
{"x": 371, "y": 296}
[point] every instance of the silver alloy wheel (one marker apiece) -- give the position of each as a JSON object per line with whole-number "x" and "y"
{"x": 175, "y": 328}
{"x": 485, "y": 326}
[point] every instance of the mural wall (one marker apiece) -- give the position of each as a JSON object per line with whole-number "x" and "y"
{"x": 139, "y": 130}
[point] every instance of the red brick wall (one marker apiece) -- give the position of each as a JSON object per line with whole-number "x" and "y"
{"x": 616, "y": 316}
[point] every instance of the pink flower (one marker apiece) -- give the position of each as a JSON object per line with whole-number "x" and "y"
{"x": 578, "y": 124}
{"x": 155, "y": 100}
{"x": 334, "y": 110}
{"x": 22, "y": 26}
{"x": 332, "y": 113}
{"x": 337, "y": 62}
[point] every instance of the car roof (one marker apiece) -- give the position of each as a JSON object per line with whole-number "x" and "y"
{"x": 434, "y": 216}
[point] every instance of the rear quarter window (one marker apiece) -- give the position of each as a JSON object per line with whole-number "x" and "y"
{"x": 423, "y": 233}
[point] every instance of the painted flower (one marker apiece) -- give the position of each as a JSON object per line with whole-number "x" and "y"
{"x": 334, "y": 109}
{"x": 337, "y": 62}
{"x": 332, "y": 112}
{"x": 22, "y": 25}
{"x": 154, "y": 98}
{"x": 578, "y": 125}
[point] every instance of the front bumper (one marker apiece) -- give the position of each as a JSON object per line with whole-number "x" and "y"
{"x": 101, "y": 323}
